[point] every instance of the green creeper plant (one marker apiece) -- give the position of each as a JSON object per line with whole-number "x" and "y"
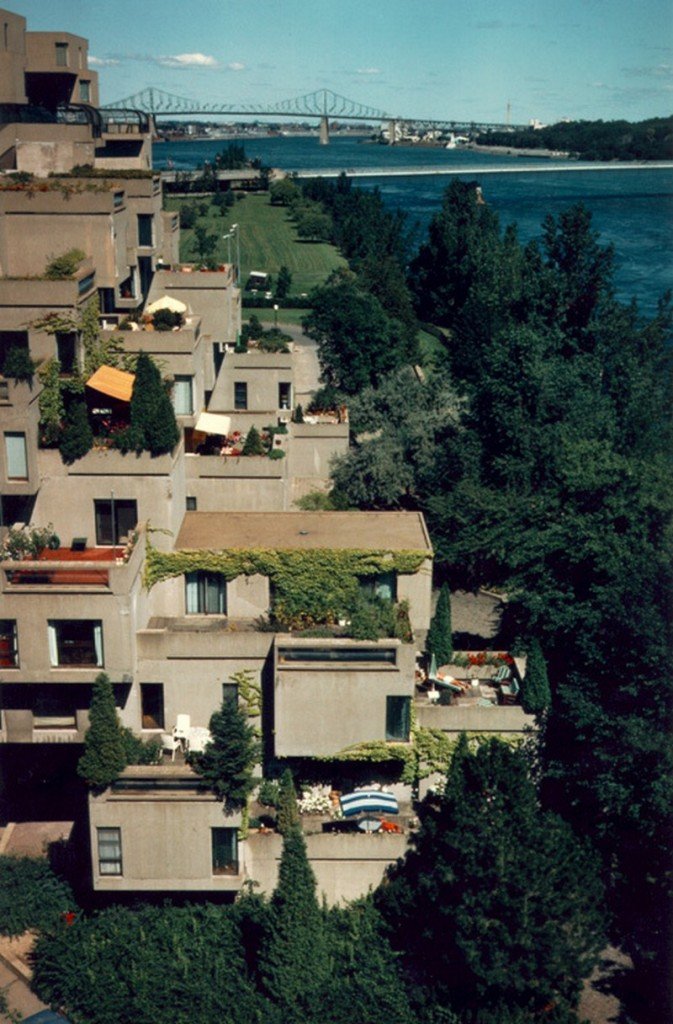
{"x": 52, "y": 408}
{"x": 104, "y": 756}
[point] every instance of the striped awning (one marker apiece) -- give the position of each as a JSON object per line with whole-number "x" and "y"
{"x": 368, "y": 801}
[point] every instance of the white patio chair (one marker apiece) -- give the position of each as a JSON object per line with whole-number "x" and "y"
{"x": 170, "y": 742}
{"x": 182, "y": 726}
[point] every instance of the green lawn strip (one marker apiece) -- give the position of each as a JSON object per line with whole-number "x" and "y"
{"x": 291, "y": 317}
{"x": 267, "y": 241}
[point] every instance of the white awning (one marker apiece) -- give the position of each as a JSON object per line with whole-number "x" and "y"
{"x": 166, "y": 302}
{"x": 213, "y": 423}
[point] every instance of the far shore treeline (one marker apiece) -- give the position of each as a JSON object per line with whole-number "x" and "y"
{"x": 594, "y": 140}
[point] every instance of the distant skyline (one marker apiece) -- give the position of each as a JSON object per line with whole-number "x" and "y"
{"x": 463, "y": 59}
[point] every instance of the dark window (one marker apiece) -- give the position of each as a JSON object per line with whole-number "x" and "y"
{"x": 398, "y": 718}
{"x": 61, "y": 55}
{"x": 205, "y": 593}
{"x": 240, "y": 395}
{"x": 344, "y": 654}
{"x": 118, "y": 200}
{"x": 54, "y": 712}
{"x": 9, "y": 651}
{"x": 225, "y": 851}
{"x": 124, "y": 514}
{"x": 145, "y": 229}
{"x": 146, "y": 273}
{"x": 10, "y": 340}
{"x": 109, "y": 851}
{"x": 106, "y": 299}
{"x": 85, "y": 284}
{"x": 76, "y": 642}
{"x": 383, "y": 585}
{"x": 152, "y": 705}
{"x": 66, "y": 350}
{"x": 190, "y": 503}
{"x": 284, "y": 396}
{"x": 84, "y": 89}
{"x": 230, "y": 692}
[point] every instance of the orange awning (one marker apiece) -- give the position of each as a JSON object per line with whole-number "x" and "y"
{"x": 112, "y": 382}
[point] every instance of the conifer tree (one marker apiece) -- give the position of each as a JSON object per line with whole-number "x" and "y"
{"x": 77, "y": 437}
{"x": 153, "y": 426}
{"x": 439, "y": 639}
{"x": 288, "y": 810}
{"x": 253, "y": 443}
{"x": 227, "y": 762}
{"x": 536, "y": 695}
{"x": 104, "y": 755}
{"x": 497, "y": 904}
{"x": 294, "y": 958}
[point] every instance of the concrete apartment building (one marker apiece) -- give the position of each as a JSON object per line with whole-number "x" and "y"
{"x": 166, "y": 567}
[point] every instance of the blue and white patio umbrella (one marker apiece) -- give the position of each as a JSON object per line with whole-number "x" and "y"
{"x": 368, "y": 801}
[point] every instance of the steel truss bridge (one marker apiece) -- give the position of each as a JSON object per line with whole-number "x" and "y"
{"x": 323, "y": 104}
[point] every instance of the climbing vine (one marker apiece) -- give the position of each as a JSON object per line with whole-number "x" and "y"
{"x": 309, "y": 587}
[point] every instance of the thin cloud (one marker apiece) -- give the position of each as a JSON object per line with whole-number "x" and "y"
{"x": 368, "y": 71}
{"x": 103, "y": 62}
{"x": 235, "y": 65}
{"x": 658, "y": 71}
{"x": 187, "y": 60}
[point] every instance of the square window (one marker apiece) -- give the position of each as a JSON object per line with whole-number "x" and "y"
{"x": 121, "y": 512}
{"x": 240, "y": 395}
{"x": 230, "y": 693}
{"x": 205, "y": 593}
{"x": 145, "y": 229}
{"x": 398, "y": 718}
{"x": 284, "y": 396}
{"x": 84, "y": 90}
{"x": 109, "y": 851}
{"x": 224, "y": 851}
{"x": 191, "y": 503}
{"x": 61, "y": 55}
{"x": 54, "y": 711}
{"x": 76, "y": 642}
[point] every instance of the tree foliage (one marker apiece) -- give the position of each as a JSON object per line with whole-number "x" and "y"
{"x": 229, "y": 758}
{"x": 77, "y": 436}
{"x": 536, "y": 695}
{"x": 104, "y": 756}
{"x": 31, "y": 895}
{"x": 153, "y": 426}
{"x": 496, "y": 908}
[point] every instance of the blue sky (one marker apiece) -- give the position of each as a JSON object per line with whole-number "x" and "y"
{"x": 462, "y": 59}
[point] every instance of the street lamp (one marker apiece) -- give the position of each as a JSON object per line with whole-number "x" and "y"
{"x": 227, "y": 238}
{"x": 275, "y": 315}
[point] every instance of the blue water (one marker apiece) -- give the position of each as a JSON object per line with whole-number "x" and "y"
{"x": 632, "y": 209}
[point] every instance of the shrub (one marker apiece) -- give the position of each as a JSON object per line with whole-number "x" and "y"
{"x": 18, "y": 364}
{"x": 29, "y": 542}
{"x": 167, "y": 319}
{"x": 253, "y": 443}
{"x": 31, "y": 895}
{"x": 269, "y": 792}
{"x": 60, "y": 268}
{"x": 276, "y": 453}
{"x": 298, "y": 414}
{"x": 327, "y": 399}
{"x": 270, "y": 342}
{"x": 139, "y": 751}
{"x": 228, "y": 760}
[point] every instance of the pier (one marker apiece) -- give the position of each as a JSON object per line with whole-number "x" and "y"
{"x": 410, "y": 172}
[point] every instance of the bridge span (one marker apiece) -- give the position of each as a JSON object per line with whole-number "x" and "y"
{"x": 469, "y": 171}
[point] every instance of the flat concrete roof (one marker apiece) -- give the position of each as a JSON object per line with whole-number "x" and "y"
{"x": 387, "y": 531}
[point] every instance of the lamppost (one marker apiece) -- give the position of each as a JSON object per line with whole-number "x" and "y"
{"x": 234, "y": 230}
{"x": 275, "y": 315}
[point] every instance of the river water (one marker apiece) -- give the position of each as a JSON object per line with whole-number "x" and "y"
{"x": 631, "y": 208}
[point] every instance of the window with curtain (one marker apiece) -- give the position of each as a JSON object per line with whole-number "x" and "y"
{"x": 109, "y": 851}
{"x": 183, "y": 402}
{"x": 383, "y": 585}
{"x": 16, "y": 457}
{"x": 76, "y": 642}
{"x": 205, "y": 593}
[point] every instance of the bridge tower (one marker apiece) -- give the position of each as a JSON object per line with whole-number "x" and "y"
{"x": 324, "y": 130}
{"x": 392, "y": 132}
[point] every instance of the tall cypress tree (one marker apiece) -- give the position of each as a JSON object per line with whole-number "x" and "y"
{"x": 288, "y": 811}
{"x": 294, "y": 959}
{"x": 439, "y": 640}
{"x": 536, "y": 695}
{"x": 77, "y": 437}
{"x": 153, "y": 426}
{"x": 104, "y": 756}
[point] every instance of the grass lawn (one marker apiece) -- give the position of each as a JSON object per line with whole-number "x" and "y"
{"x": 268, "y": 240}
{"x": 292, "y": 317}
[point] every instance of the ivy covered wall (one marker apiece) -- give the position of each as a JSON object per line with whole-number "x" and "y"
{"x": 309, "y": 587}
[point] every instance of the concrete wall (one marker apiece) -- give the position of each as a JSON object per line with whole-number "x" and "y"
{"x": 322, "y": 707}
{"x": 19, "y": 413}
{"x": 496, "y": 719}
{"x": 311, "y": 450}
{"x": 417, "y": 590}
{"x": 211, "y": 294}
{"x": 13, "y": 57}
{"x": 253, "y": 483}
{"x": 165, "y": 839}
{"x": 41, "y": 59}
{"x": 262, "y": 372}
{"x": 157, "y": 484}
{"x": 41, "y": 149}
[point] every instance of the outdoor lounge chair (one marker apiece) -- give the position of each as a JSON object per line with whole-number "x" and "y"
{"x": 509, "y": 692}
